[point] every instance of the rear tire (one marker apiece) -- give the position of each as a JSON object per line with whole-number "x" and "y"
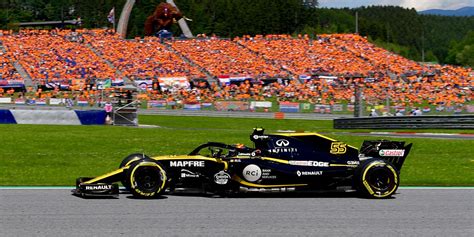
{"x": 377, "y": 179}
{"x": 128, "y": 161}
{"x": 147, "y": 179}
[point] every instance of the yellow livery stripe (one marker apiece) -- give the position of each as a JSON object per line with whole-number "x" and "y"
{"x": 276, "y": 160}
{"x": 96, "y": 179}
{"x": 342, "y": 165}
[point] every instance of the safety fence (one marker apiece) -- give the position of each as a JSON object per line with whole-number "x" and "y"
{"x": 253, "y": 106}
{"x": 409, "y": 122}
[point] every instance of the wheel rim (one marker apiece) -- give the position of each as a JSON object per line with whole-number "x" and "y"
{"x": 147, "y": 178}
{"x": 379, "y": 179}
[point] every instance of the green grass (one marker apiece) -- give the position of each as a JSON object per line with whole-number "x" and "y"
{"x": 52, "y": 155}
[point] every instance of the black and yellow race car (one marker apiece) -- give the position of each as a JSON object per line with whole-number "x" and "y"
{"x": 281, "y": 162}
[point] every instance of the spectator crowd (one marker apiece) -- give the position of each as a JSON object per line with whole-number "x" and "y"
{"x": 331, "y": 67}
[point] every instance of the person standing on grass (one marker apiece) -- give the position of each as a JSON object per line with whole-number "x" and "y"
{"x": 108, "y": 111}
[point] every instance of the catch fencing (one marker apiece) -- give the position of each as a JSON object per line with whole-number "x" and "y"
{"x": 407, "y": 122}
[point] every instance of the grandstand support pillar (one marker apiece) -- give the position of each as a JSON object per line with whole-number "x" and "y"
{"x": 182, "y": 23}
{"x": 26, "y": 77}
{"x": 358, "y": 108}
{"x": 28, "y": 80}
{"x": 124, "y": 17}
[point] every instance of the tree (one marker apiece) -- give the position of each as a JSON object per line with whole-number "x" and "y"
{"x": 463, "y": 51}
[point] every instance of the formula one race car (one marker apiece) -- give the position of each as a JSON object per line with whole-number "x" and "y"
{"x": 282, "y": 162}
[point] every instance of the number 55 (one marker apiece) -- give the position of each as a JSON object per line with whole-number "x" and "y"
{"x": 338, "y": 148}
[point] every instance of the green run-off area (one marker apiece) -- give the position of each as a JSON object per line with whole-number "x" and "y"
{"x": 50, "y": 155}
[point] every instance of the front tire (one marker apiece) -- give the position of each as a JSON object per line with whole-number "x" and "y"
{"x": 131, "y": 158}
{"x": 147, "y": 179}
{"x": 377, "y": 179}
{"x": 127, "y": 161}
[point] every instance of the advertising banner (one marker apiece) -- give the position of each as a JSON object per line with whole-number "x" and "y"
{"x": 157, "y": 103}
{"x": 19, "y": 101}
{"x": 192, "y": 106}
{"x": 350, "y": 108}
{"x": 206, "y": 105}
{"x": 232, "y": 105}
{"x": 5, "y": 100}
{"x": 470, "y": 108}
{"x": 40, "y": 102}
{"x": 260, "y": 104}
{"x": 322, "y": 109}
{"x": 168, "y": 83}
{"x": 56, "y": 101}
{"x": 305, "y": 106}
{"x": 82, "y": 103}
{"x": 337, "y": 107}
{"x": 289, "y": 107}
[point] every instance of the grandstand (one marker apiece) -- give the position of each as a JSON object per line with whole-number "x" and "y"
{"x": 141, "y": 58}
{"x": 9, "y": 76}
{"x": 223, "y": 57}
{"x": 324, "y": 70}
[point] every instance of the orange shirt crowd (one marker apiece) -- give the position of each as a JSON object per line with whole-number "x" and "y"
{"x": 140, "y": 58}
{"x": 52, "y": 55}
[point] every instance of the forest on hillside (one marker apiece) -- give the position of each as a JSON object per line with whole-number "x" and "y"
{"x": 427, "y": 38}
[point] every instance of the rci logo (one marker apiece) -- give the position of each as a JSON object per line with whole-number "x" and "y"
{"x": 252, "y": 173}
{"x": 282, "y": 142}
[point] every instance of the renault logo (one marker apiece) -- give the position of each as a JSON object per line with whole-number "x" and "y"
{"x": 282, "y": 142}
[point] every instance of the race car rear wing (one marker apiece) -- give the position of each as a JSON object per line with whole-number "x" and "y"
{"x": 393, "y": 151}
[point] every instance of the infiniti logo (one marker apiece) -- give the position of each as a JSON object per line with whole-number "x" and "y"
{"x": 282, "y": 142}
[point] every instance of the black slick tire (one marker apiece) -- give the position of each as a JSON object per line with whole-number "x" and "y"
{"x": 127, "y": 161}
{"x": 377, "y": 179}
{"x": 147, "y": 179}
{"x": 131, "y": 158}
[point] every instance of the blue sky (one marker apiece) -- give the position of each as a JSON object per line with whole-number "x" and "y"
{"x": 419, "y": 5}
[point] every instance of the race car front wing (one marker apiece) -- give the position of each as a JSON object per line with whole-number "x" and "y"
{"x": 86, "y": 190}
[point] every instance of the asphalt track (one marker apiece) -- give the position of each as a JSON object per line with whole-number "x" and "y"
{"x": 413, "y": 212}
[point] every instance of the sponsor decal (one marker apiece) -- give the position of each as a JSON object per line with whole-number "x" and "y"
{"x": 282, "y": 150}
{"x": 268, "y": 190}
{"x": 252, "y": 154}
{"x": 282, "y": 146}
{"x": 187, "y": 163}
{"x": 252, "y": 173}
{"x": 260, "y": 137}
{"x": 282, "y": 142}
{"x": 266, "y": 174}
{"x": 309, "y": 163}
{"x": 338, "y": 148}
{"x": 143, "y": 193}
{"x": 188, "y": 174}
{"x": 235, "y": 160}
{"x": 392, "y": 152}
{"x": 99, "y": 187}
{"x": 221, "y": 178}
{"x": 309, "y": 173}
{"x": 353, "y": 162}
